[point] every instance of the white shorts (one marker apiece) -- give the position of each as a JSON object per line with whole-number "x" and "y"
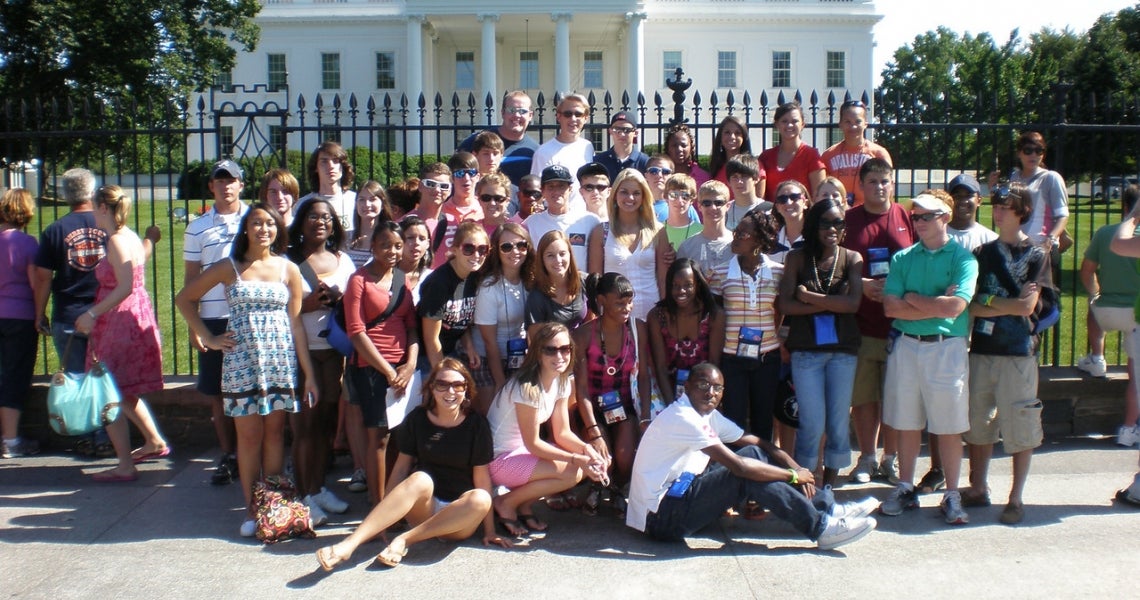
{"x": 1116, "y": 318}
{"x": 927, "y": 386}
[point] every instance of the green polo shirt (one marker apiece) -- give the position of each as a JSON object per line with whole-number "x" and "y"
{"x": 1117, "y": 275}
{"x": 929, "y": 273}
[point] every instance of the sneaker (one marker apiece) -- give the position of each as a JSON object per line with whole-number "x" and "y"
{"x": 316, "y": 515}
{"x": 1125, "y": 436}
{"x": 358, "y": 483}
{"x": 329, "y": 502}
{"x": 248, "y": 528}
{"x": 863, "y": 469}
{"x": 903, "y": 498}
{"x": 952, "y": 507}
{"x": 1093, "y": 365}
{"x": 22, "y": 447}
{"x": 887, "y": 470}
{"x": 933, "y": 481}
{"x": 226, "y": 471}
{"x": 854, "y": 510}
{"x": 841, "y": 531}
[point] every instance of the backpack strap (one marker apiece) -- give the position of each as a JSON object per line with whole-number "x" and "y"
{"x": 309, "y": 275}
{"x": 398, "y": 290}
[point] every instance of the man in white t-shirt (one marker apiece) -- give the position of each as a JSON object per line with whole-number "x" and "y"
{"x": 685, "y": 476}
{"x": 964, "y": 226}
{"x": 568, "y": 148}
{"x": 576, "y": 223}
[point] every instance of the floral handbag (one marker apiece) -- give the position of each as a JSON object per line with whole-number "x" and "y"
{"x": 280, "y": 512}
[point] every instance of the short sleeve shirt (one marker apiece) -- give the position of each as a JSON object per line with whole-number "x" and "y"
{"x": 929, "y": 273}
{"x": 209, "y": 239}
{"x": 71, "y": 247}
{"x": 891, "y": 231}
{"x": 748, "y": 302}
{"x": 451, "y": 300}
{"x": 1001, "y": 265}
{"x": 447, "y": 454}
{"x": 1119, "y": 282}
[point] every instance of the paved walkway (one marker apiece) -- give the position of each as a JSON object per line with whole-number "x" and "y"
{"x": 173, "y": 535}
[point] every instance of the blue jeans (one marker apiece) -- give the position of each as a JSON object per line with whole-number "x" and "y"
{"x": 76, "y": 359}
{"x": 824, "y": 381}
{"x": 717, "y": 489}
{"x": 750, "y": 391}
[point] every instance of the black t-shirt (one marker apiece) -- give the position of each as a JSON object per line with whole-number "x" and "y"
{"x": 1001, "y": 265}
{"x": 448, "y": 455}
{"x": 450, "y": 300}
{"x": 71, "y": 247}
{"x": 541, "y": 308}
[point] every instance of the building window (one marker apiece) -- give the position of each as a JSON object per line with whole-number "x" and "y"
{"x": 781, "y": 69}
{"x": 224, "y": 79}
{"x": 276, "y": 137}
{"x": 226, "y": 140}
{"x": 596, "y": 137}
{"x": 836, "y": 69}
{"x": 528, "y": 70}
{"x": 592, "y": 70}
{"x": 671, "y": 60}
{"x": 464, "y": 70}
{"x": 726, "y": 69}
{"x": 385, "y": 70}
{"x": 277, "y": 75}
{"x": 386, "y": 140}
{"x": 330, "y": 135}
{"x": 330, "y": 70}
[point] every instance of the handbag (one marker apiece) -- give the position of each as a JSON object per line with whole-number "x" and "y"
{"x": 280, "y": 512}
{"x": 81, "y": 403}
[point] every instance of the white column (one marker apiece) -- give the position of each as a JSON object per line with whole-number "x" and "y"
{"x": 636, "y": 52}
{"x": 490, "y": 79}
{"x": 561, "y": 51}
{"x": 414, "y": 81}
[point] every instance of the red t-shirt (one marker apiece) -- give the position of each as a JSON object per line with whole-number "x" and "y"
{"x": 805, "y": 161}
{"x": 363, "y": 302}
{"x": 891, "y": 230}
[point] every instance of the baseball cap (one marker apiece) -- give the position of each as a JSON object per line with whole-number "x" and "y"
{"x": 624, "y": 115}
{"x": 592, "y": 168}
{"x": 930, "y": 203}
{"x": 964, "y": 180}
{"x": 225, "y": 168}
{"x": 556, "y": 173}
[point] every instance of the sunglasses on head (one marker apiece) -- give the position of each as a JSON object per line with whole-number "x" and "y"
{"x": 519, "y": 245}
{"x": 461, "y": 173}
{"x": 472, "y": 249}
{"x": 432, "y": 184}
{"x": 786, "y": 198}
{"x": 556, "y": 350}
{"x": 659, "y": 171}
{"x": 927, "y": 217}
{"x": 496, "y": 198}
{"x": 711, "y": 203}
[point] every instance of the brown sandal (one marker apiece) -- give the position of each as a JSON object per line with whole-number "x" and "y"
{"x": 390, "y": 557}
{"x": 328, "y": 558}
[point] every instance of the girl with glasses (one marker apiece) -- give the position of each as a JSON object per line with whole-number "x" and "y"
{"x": 791, "y": 201}
{"x": 1046, "y": 224}
{"x": 440, "y": 484}
{"x": 500, "y": 307}
{"x": 792, "y": 158}
{"x": 447, "y": 298}
{"x": 494, "y": 194}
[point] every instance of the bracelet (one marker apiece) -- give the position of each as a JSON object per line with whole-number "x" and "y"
{"x": 594, "y": 439}
{"x": 645, "y": 421}
{"x": 589, "y": 427}
{"x": 92, "y": 315}
{"x": 989, "y": 300}
{"x": 793, "y": 478}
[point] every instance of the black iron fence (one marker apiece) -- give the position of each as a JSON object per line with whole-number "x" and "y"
{"x": 157, "y": 153}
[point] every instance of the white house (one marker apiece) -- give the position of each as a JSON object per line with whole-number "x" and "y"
{"x": 369, "y": 48}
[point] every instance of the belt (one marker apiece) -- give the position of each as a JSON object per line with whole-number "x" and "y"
{"x": 938, "y": 337}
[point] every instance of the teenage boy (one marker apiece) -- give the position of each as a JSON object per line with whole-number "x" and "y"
{"x": 622, "y": 154}
{"x": 680, "y": 225}
{"x": 927, "y": 291}
{"x": 844, "y": 159}
{"x": 435, "y": 188}
{"x": 488, "y": 151}
{"x": 209, "y": 239}
{"x": 461, "y": 206}
{"x": 876, "y": 229}
{"x": 528, "y": 198}
{"x": 594, "y": 185}
{"x": 576, "y": 223}
{"x": 712, "y": 247}
{"x": 744, "y": 173}
{"x": 518, "y": 148}
{"x": 1012, "y": 271}
{"x": 964, "y": 226}
{"x": 568, "y": 148}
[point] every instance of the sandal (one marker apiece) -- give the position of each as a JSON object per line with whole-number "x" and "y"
{"x": 329, "y": 559}
{"x": 593, "y": 500}
{"x": 391, "y": 558}
{"x": 531, "y": 522}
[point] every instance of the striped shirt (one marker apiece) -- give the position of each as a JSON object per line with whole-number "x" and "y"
{"x": 748, "y": 302}
{"x": 209, "y": 239}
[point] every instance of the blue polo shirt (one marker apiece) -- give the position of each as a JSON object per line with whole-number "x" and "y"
{"x": 929, "y": 273}
{"x": 608, "y": 159}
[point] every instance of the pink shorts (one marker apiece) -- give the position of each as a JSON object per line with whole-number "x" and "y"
{"x": 513, "y": 469}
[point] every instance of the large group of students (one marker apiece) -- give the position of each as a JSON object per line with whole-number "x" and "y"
{"x": 527, "y": 317}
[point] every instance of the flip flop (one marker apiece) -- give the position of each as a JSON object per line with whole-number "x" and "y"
{"x": 113, "y": 477}
{"x": 390, "y": 557}
{"x": 531, "y": 522}
{"x": 138, "y": 458}
{"x": 328, "y": 558}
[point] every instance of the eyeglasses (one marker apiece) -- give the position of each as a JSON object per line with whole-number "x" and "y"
{"x": 507, "y": 246}
{"x": 787, "y": 198}
{"x": 1038, "y": 150}
{"x": 461, "y": 173}
{"x": 432, "y": 184}
{"x": 659, "y": 171}
{"x": 517, "y": 111}
{"x": 679, "y": 195}
{"x": 496, "y": 198}
{"x": 705, "y": 386}
{"x": 927, "y": 217}
{"x": 837, "y": 224}
{"x": 572, "y": 114}
{"x": 453, "y": 386}
{"x": 532, "y": 194}
{"x": 595, "y": 187}
{"x": 623, "y": 130}
{"x": 315, "y": 218}
{"x": 556, "y": 350}
{"x": 719, "y": 202}
{"x": 472, "y": 249}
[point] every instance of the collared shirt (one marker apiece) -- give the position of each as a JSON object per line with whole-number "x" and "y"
{"x": 930, "y": 273}
{"x": 209, "y": 239}
{"x": 614, "y": 165}
{"x": 748, "y": 302}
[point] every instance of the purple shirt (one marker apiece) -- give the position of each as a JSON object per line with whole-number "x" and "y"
{"x": 17, "y": 253}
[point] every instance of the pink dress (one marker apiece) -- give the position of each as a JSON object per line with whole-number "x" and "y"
{"x": 125, "y": 338}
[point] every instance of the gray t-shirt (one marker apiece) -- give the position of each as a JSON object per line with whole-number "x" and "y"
{"x": 705, "y": 252}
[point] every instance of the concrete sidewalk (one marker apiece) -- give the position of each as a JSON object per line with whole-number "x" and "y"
{"x": 173, "y": 535}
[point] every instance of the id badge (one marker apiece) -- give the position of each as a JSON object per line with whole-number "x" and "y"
{"x": 825, "y": 332}
{"x": 516, "y": 351}
{"x": 682, "y": 377}
{"x": 749, "y": 344}
{"x": 612, "y": 409}
{"x": 878, "y": 262}
{"x": 680, "y": 485}
{"x": 892, "y": 336}
{"x": 984, "y": 326}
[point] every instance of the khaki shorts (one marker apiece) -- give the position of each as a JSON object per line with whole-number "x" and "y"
{"x": 927, "y": 386}
{"x": 1115, "y": 318}
{"x": 1003, "y": 399}
{"x": 870, "y": 371}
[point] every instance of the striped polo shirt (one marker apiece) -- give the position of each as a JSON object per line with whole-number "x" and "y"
{"x": 209, "y": 239}
{"x": 748, "y": 302}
